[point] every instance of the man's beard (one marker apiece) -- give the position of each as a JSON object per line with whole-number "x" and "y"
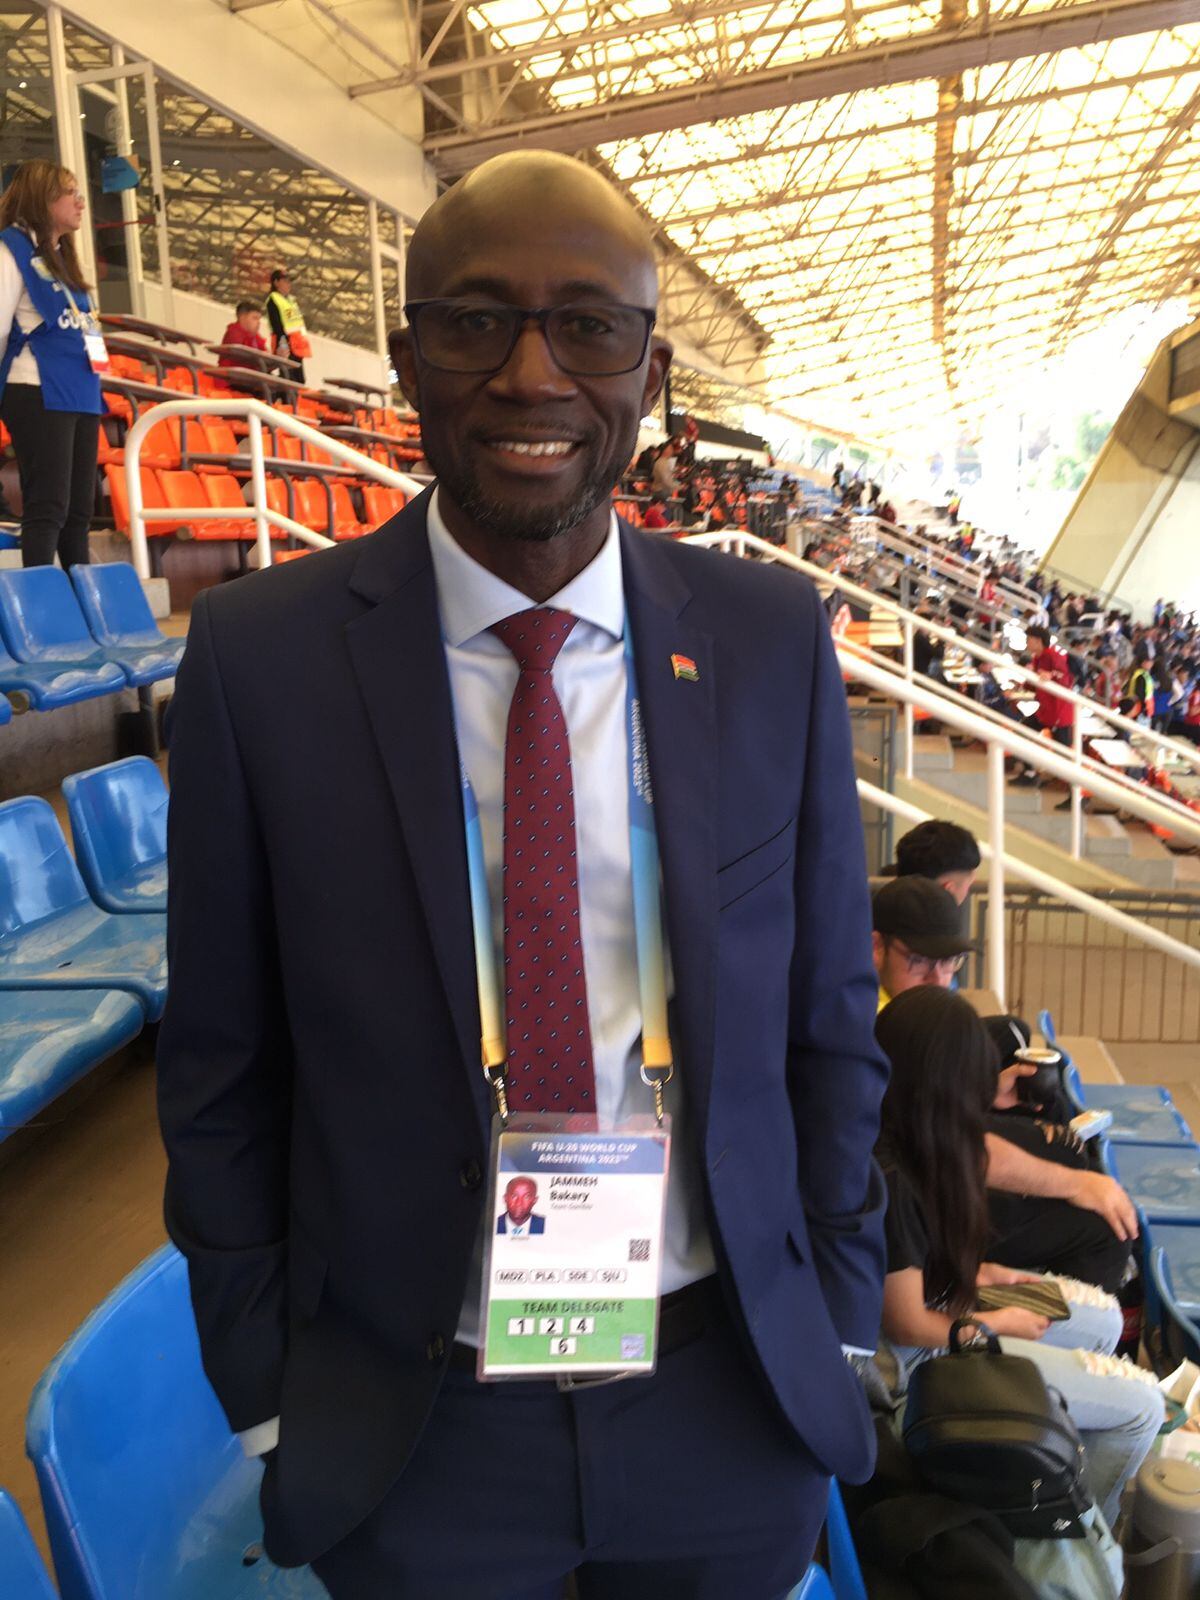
{"x": 535, "y": 524}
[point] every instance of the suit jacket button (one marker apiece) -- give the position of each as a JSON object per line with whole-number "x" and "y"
{"x": 436, "y": 1348}
{"x": 470, "y": 1175}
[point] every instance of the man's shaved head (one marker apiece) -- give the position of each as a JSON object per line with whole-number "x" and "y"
{"x": 507, "y": 193}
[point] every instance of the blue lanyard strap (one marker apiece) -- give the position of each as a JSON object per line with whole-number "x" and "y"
{"x": 657, "y": 1066}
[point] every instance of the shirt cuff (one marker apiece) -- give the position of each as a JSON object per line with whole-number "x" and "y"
{"x": 262, "y": 1437}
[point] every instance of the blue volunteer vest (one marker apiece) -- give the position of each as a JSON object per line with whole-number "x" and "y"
{"x": 68, "y": 382}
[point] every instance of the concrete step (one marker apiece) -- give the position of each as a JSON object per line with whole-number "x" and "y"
{"x": 1149, "y": 863}
{"x": 1105, "y": 837}
{"x": 932, "y": 753}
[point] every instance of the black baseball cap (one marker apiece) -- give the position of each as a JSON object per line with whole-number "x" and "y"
{"x": 924, "y": 915}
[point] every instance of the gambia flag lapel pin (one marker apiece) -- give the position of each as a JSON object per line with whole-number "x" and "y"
{"x": 684, "y": 667}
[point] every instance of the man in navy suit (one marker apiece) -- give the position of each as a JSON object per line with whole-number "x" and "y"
{"x": 518, "y": 1218}
{"x": 321, "y": 1092}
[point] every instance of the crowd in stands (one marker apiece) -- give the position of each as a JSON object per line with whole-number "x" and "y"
{"x": 1000, "y": 1219}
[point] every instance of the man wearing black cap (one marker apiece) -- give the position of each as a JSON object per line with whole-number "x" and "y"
{"x": 919, "y": 936}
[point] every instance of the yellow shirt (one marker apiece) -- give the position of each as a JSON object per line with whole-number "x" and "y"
{"x": 884, "y": 999}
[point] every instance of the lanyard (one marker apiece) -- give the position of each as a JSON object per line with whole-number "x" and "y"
{"x": 656, "y": 1069}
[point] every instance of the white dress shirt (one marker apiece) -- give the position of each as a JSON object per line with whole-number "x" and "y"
{"x": 589, "y": 678}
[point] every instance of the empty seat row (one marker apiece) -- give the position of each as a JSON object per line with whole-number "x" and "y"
{"x": 92, "y": 977}
{"x": 324, "y": 505}
{"x": 69, "y": 638}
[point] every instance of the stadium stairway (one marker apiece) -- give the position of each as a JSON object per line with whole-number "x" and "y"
{"x": 1116, "y": 854}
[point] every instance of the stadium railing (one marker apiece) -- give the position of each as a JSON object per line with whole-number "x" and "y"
{"x": 259, "y": 510}
{"x": 1086, "y": 773}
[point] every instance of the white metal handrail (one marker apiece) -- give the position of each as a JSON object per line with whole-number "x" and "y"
{"x": 994, "y": 618}
{"x": 1180, "y": 816}
{"x": 951, "y": 568}
{"x": 738, "y": 542}
{"x": 1079, "y": 898}
{"x": 257, "y": 510}
{"x": 926, "y": 548}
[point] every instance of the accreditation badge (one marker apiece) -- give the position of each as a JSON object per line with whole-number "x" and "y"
{"x": 573, "y": 1262}
{"x": 97, "y": 350}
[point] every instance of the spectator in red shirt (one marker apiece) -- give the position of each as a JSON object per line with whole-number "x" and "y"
{"x": 1053, "y": 712}
{"x": 244, "y": 330}
{"x": 656, "y": 514}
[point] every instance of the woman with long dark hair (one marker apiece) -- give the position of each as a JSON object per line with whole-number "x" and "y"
{"x": 933, "y": 1156}
{"x": 51, "y": 354}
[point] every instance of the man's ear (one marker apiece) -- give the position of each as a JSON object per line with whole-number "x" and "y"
{"x": 400, "y": 348}
{"x": 877, "y": 950}
{"x": 661, "y": 352}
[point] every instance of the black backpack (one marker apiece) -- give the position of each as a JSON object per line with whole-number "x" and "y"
{"x": 984, "y": 1427}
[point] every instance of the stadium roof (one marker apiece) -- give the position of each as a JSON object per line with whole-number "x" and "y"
{"x": 915, "y": 200}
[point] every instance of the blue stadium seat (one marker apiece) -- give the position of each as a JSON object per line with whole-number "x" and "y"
{"x": 10, "y": 539}
{"x": 844, "y": 1568}
{"x": 5, "y": 711}
{"x": 146, "y": 1492}
{"x": 1163, "y": 1181}
{"x": 1173, "y": 1337}
{"x": 813, "y": 1586}
{"x": 50, "y": 684}
{"x": 119, "y": 824}
{"x": 52, "y": 936}
{"x": 22, "y": 1575}
{"x": 1141, "y": 1115}
{"x": 42, "y": 623}
{"x": 1180, "y": 1243}
{"x": 118, "y": 614}
{"x": 49, "y": 1039}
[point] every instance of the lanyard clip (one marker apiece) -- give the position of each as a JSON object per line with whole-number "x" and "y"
{"x": 495, "y": 1077}
{"x": 657, "y": 1078}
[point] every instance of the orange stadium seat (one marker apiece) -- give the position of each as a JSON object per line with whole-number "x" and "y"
{"x": 381, "y": 503}
{"x": 153, "y": 499}
{"x": 219, "y": 436}
{"x": 184, "y": 489}
{"x": 223, "y": 489}
{"x": 345, "y": 523}
{"x": 312, "y": 507}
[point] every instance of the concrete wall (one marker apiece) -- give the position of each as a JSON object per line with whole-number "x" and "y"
{"x": 1128, "y": 531}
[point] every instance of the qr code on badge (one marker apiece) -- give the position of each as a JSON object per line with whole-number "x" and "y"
{"x": 639, "y": 1249}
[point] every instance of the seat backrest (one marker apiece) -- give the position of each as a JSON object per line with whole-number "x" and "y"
{"x": 162, "y": 442}
{"x": 222, "y": 441}
{"x": 38, "y": 875}
{"x": 152, "y": 498}
{"x": 277, "y": 495}
{"x": 183, "y": 489}
{"x": 114, "y": 604}
{"x": 343, "y": 506}
{"x": 223, "y": 489}
{"x": 312, "y": 508}
{"x": 128, "y": 1440}
{"x": 118, "y": 819}
{"x": 40, "y": 616}
{"x": 382, "y": 503}
{"x": 813, "y": 1586}
{"x": 1180, "y": 1336}
{"x": 22, "y": 1573}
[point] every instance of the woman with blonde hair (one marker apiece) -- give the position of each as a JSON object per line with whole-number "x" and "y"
{"x": 51, "y": 356}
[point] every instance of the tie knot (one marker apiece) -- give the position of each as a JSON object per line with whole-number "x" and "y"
{"x": 535, "y": 637}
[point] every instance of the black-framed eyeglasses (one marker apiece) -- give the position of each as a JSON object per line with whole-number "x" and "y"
{"x": 589, "y": 340}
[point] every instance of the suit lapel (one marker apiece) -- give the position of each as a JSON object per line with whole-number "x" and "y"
{"x": 680, "y": 718}
{"x": 399, "y": 659}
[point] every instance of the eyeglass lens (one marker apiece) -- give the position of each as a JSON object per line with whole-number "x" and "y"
{"x": 597, "y": 340}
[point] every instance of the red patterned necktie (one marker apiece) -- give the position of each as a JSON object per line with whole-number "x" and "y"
{"x": 549, "y": 1037}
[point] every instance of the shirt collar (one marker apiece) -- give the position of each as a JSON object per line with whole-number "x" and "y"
{"x": 471, "y": 599}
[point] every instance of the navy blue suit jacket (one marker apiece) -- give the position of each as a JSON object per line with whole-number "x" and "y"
{"x": 536, "y": 1224}
{"x": 319, "y": 1059}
